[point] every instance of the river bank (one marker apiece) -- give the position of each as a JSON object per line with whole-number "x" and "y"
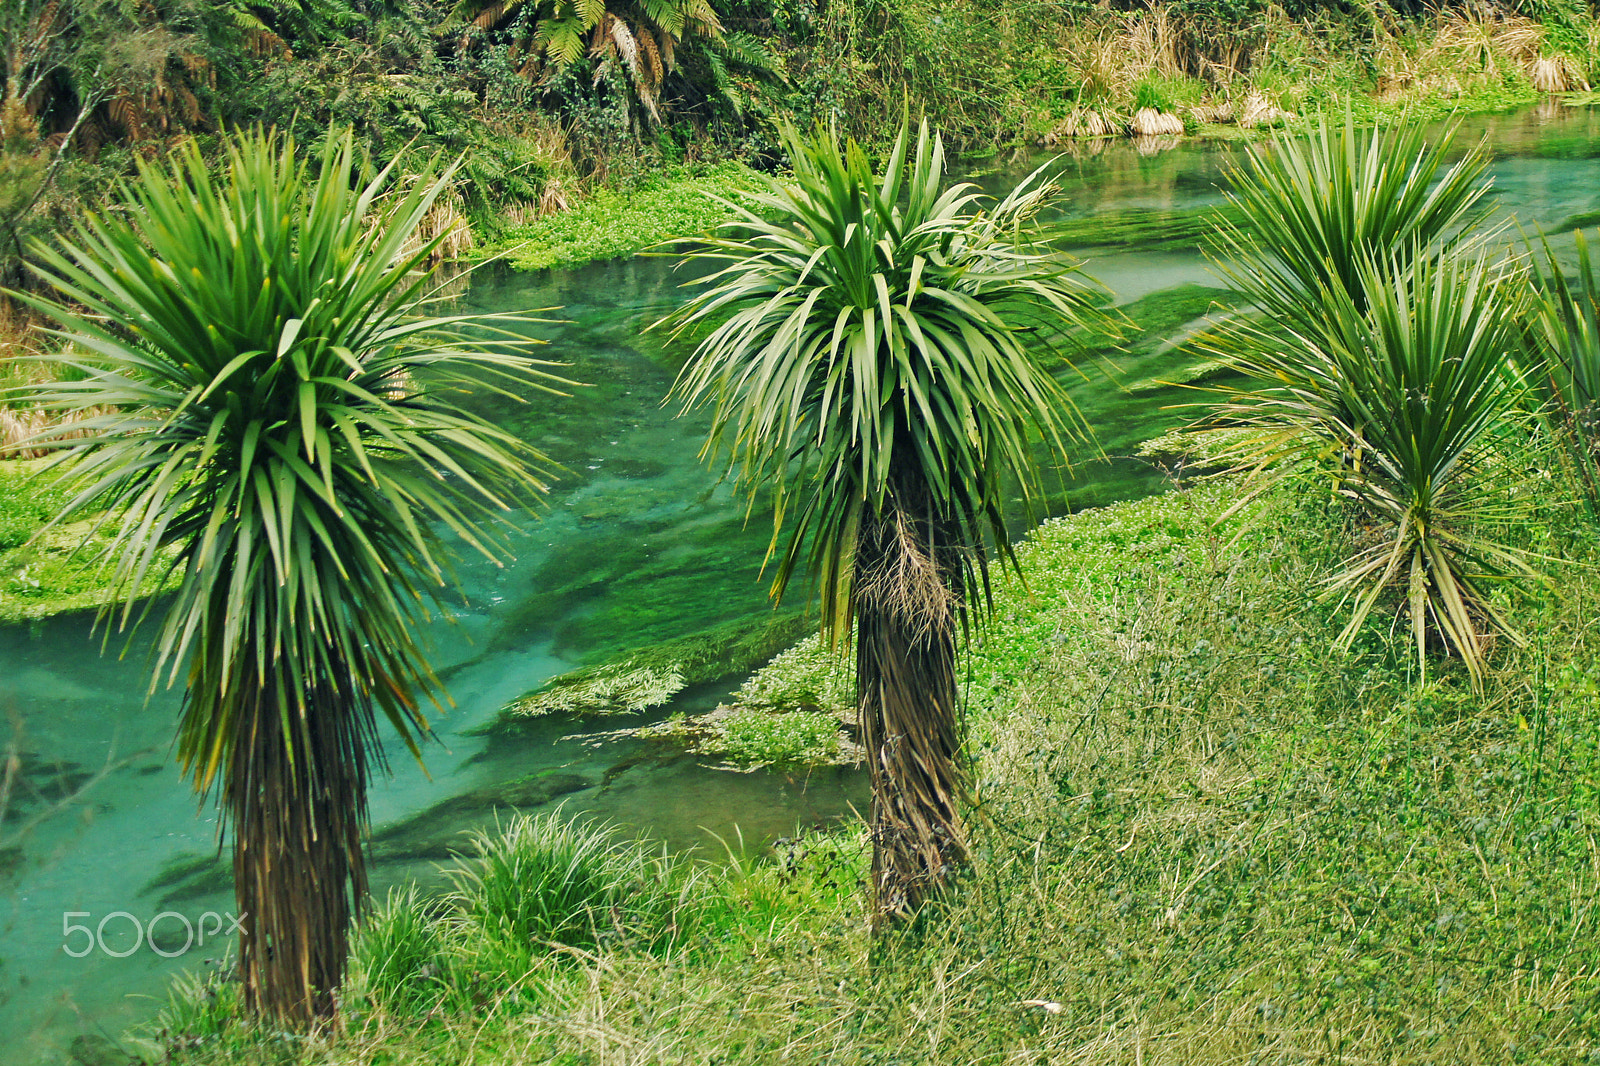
{"x": 1200, "y": 838}
{"x": 638, "y": 547}
{"x": 50, "y": 577}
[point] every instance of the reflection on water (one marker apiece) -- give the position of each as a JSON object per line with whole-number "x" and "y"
{"x": 638, "y": 543}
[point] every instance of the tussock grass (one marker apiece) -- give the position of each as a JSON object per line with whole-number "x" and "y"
{"x": 1200, "y": 838}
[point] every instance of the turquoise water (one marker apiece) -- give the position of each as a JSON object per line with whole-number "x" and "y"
{"x": 638, "y": 543}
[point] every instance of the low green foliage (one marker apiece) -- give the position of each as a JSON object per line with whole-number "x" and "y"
{"x": 787, "y": 714}
{"x": 799, "y": 738}
{"x": 808, "y": 676}
{"x": 1200, "y": 839}
{"x": 745, "y": 738}
{"x": 616, "y": 222}
{"x": 45, "y": 575}
{"x": 25, "y": 505}
{"x": 650, "y": 676}
{"x": 543, "y": 882}
{"x": 1167, "y": 93}
{"x": 397, "y": 955}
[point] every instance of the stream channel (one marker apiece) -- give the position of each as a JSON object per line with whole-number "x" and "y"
{"x": 638, "y": 543}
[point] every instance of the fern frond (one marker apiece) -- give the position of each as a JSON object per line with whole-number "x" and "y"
{"x": 703, "y": 17}
{"x": 616, "y": 32}
{"x": 490, "y": 16}
{"x": 561, "y": 39}
{"x": 745, "y": 50}
{"x": 667, "y": 14}
{"x": 650, "y": 67}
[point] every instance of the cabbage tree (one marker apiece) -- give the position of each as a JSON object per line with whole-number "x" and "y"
{"x": 1383, "y": 345}
{"x": 270, "y": 430}
{"x": 1566, "y": 342}
{"x": 874, "y": 365}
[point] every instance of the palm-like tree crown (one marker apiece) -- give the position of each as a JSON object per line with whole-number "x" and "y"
{"x": 880, "y": 324}
{"x": 1384, "y": 343}
{"x": 870, "y": 367}
{"x": 1316, "y": 210}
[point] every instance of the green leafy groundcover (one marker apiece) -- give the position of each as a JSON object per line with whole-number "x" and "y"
{"x": 49, "y": 574}
{"x": 1201, "y": 838}
{"x": 611, "y": 223}
{"x": 25, "y": 504}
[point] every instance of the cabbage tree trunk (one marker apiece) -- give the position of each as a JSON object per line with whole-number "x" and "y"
{"x": 297, "y": 804}
{"x": 907, "y": 587}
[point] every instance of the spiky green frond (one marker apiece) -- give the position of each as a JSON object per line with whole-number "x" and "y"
{"x": 1311, "y": 211}
{"x": 879, "y": 322}
{"x": 283, "y": 430}
{"x": 1385, "y": 348}
{"x": 1567, "y": 337}
{"x": 1427, "y": 372}
{"x": 562, "y": 39}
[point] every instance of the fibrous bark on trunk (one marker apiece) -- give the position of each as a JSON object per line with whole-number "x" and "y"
{"x": 298, "y": 805}
{"x": 907, "y": 590}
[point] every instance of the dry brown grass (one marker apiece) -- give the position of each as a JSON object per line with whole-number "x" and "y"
{"x": 1153, "y": 42}
{"x": 18, "y": 345}
{"x": 1484, "y": 38}
{"x": 1260, "y": 111}
{"x": 1148, "y": 122}
{"x": 1085, "y": 122}
{"x": 1558, "y": 74}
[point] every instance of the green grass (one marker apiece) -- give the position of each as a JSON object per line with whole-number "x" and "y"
{"x": 44, "y": 577}
{"x": 1200, "y": 838}
{"x": 52, "y": 574}
{"x": 1428, "y": 107}
{"x": 611, "y": 223}
{"x": 25, "y": 504}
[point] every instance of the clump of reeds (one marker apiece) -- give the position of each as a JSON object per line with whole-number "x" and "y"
{"x": 1558, "y": 74}
{"x": 1148, "y": 122}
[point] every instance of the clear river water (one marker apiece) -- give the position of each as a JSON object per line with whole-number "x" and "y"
{"x": 638, "y": 543}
